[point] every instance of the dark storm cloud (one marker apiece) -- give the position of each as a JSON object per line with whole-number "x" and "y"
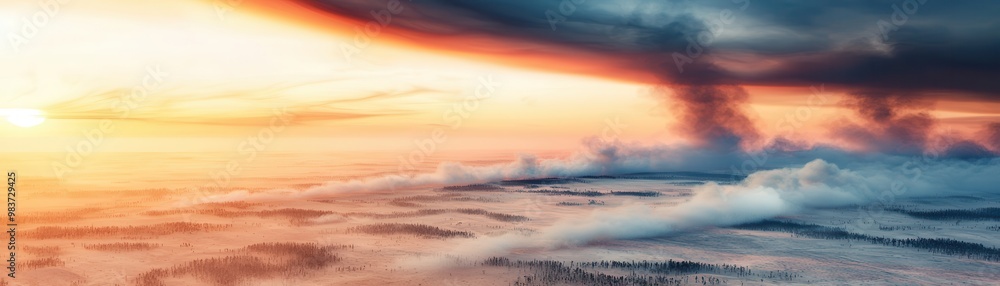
{"x": 586, "y": 26}
{"x": 890, "y": 55}
{"x": 914, "y": 67}
{"x": 940, "y": 46}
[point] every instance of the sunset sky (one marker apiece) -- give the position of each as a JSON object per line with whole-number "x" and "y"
{"x": 500, "y": 142}
{"x": 202, "y": 76}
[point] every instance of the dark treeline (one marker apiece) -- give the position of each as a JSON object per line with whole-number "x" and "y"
{"x": 636, "y": 193}
{"x": 405, "y": 204}
{"x": 282, "y": 259}
{"x": 883, "y": 227}
{"x": 429, "y": 212}
{"x": 444, "y": 197}
{"x": 671, "y": 176}
{"x": 571, "y": 204}
{"x": 307, "y": 255}
{"x": 954, "y": 214}
{"x": 475, "y": 199}
{"x": 563, "y": 192}
{"x": 294, "y": 215}
{"x": 303, "y": 216}
{"x": 533, "y": 189}
{"x": 591, "y": 193}
{"x": 547, "y": 272}
{"x": 121, "y": 246}
{"x": 42, "y": 250}
{"x": 392, "y": 215}
{"x": 894, "y": 227}
{"x": 633, "y": 177}
{"x": 938, "y": 245}
{"x": 41, "y": 263}
{"x": 285, "y": 212}
{"x": 606, "y": 177}
{"x": 421, "y": 230}
{"x": 494, "y": 215}
{"x": 527, "y": 183}
{"x": 58, "y": 216}
{"x": 541, "y": 181}
{"x": 426, "y": 198}
{"x": 683, "y": 267}
{"x": 234, "y": 204}
{"x": 49, "y": 232}
{"x": 475, "y": 187}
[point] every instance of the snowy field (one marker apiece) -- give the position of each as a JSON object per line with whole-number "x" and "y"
{"x": 446, "y": 236}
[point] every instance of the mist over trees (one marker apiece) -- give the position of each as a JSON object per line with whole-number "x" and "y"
{"x": 952, "y": 214}
{"x": 937, "y": 245}
{"x": 143, "y": 231}
{"x": 121, "y": 246}
{"x": 420, "y": 230}
{"x": 669, "y": 272}
{"x": 534, "y": 189}
{"x": 256, "y": 261}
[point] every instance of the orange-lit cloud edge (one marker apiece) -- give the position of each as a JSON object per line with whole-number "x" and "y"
{"x": 538, "y": 56}
{"x": 964, "y": 113}
{"x": 532, "y": 55}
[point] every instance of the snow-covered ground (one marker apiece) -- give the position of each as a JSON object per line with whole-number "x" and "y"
{"x": 408, "y": 259}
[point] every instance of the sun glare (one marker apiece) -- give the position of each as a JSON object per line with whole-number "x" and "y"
{"x": 23, "y": 117}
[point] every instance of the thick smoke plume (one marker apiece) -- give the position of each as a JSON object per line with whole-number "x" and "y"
{"x": 712, "y": 116}
{"x": 893, "y": 123}
{"x": 991, "y": 136}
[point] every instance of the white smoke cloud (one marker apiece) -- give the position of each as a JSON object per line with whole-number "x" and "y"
{"x": 596, "y": 158}
{"x": 824, "y": 178}
{"x": 604, "y": 158}
{"x": 764, "y": 194}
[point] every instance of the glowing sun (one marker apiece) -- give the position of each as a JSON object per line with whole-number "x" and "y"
{"x": 23, "y": 117}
